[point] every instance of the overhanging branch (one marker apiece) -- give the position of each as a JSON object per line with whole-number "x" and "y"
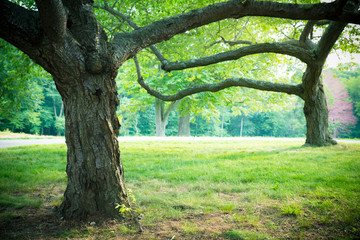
{"x": 328, "y": 39}
{"x": 215, "y": 87}
{"x": 288, "y": 48}
{"x": 132, "y": 24}
{"x": 19, "y": 26}
{"x": 169, "y": 27}
{"x": 307, "y": 31}
{"x": 230, "y": 82}
{"x": 53, "y": 18}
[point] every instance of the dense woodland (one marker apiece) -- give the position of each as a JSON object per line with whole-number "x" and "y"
{"x": 30, "y": 103}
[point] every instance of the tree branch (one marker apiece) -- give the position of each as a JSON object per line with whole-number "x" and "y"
{"x": 322, "y": 23}
{"x": 215, "y": 87}
{"x": 307, "y": 31}
{"x": 288, "y": 48}
{"x": 233, "y": 43}
{"x": 173, "y": 105}
{"x": 119, "y": 14}
{"x": 132, "y": 24}
{"x": 169, "y": 27}
{"x": 328, "y": 39}
{"x": 230, "y": 43}
{"x": 19, "y": 26}
{"x": 333, "y": 32}
{"x": 53, "y": 18}
{"x": 230, "y": 82}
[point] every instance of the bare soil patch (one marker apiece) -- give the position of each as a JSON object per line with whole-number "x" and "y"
{"x": 46, "y": 223}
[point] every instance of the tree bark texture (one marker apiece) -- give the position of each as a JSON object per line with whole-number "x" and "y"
{"x": 73, "y": 48}
{"x": 95, "y": 173}
{"x": 315, "y": 109}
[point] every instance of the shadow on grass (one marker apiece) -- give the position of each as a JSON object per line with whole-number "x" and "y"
{"x": 33, "y": 223}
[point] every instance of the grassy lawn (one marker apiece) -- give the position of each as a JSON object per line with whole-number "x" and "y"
{"x": 196, "y": 190}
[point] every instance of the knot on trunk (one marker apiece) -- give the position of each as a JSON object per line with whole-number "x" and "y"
{"x": 93, "y": 63}
{"x": 307, "y": 110}
{"x": 98, "y": 92}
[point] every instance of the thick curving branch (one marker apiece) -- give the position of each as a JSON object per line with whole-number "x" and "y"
{"x": 230, "y": 82}
{"x": 307, "y": 31}
{"x": 328, "y": 39}
{"x": 288, "y": 48}
{"x": 333, "y": 31}
{"x": 53, "y": 18}
{"x": 169, "y": 27}
{"x": 215, "y": 87}
{"x": 19, "y": 26}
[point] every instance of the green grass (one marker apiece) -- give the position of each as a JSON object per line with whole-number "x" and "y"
{"x": 28, "y": 172}
{"x": 266, "y": 189}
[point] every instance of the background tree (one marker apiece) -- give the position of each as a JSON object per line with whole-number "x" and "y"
{"x": 66, "y": 39}
{"x": 21, "y": 91}
{"x": 350, "y": 77}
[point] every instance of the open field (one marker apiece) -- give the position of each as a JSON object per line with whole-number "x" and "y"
{"x": 196, "y": 190}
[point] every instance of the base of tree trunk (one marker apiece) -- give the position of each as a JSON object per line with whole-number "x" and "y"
{"x": 328, "y": 142}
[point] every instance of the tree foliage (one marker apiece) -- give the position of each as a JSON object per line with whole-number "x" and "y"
{"x": 28, "y": 97}
{"x": 350, "y": 77}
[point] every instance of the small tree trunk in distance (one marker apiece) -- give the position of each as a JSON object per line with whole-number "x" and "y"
{"x": 184, "y": 125}
{"x": 136, "y": 126}
{"x": 162, "y": 116}
{"x": 241, "y": 126}
{"x": 222, "y": 127}
{"x": 159, "y": 116}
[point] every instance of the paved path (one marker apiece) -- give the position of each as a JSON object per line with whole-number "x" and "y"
{"x": 21, "y": 142}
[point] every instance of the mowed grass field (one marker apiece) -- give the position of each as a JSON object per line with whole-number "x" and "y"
{"x": 195, "y": 190}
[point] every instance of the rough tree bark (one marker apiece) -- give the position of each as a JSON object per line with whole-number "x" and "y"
{"x": 315, "y": 110}
{"x": 315, "y": 105}
{"x": 94, "y": 169}
{"x": 71, "y": 46}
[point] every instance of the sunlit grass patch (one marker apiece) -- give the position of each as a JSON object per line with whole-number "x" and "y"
{"x": 227, "y": 176}
{"x": 29, "y": 171}
{"x": 251, "y": 190}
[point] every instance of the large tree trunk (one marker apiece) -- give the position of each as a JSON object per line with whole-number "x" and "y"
{"x": 94, "y": 169}
{"x": 315, "y": 109}
{"x": 184, "y": 124}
